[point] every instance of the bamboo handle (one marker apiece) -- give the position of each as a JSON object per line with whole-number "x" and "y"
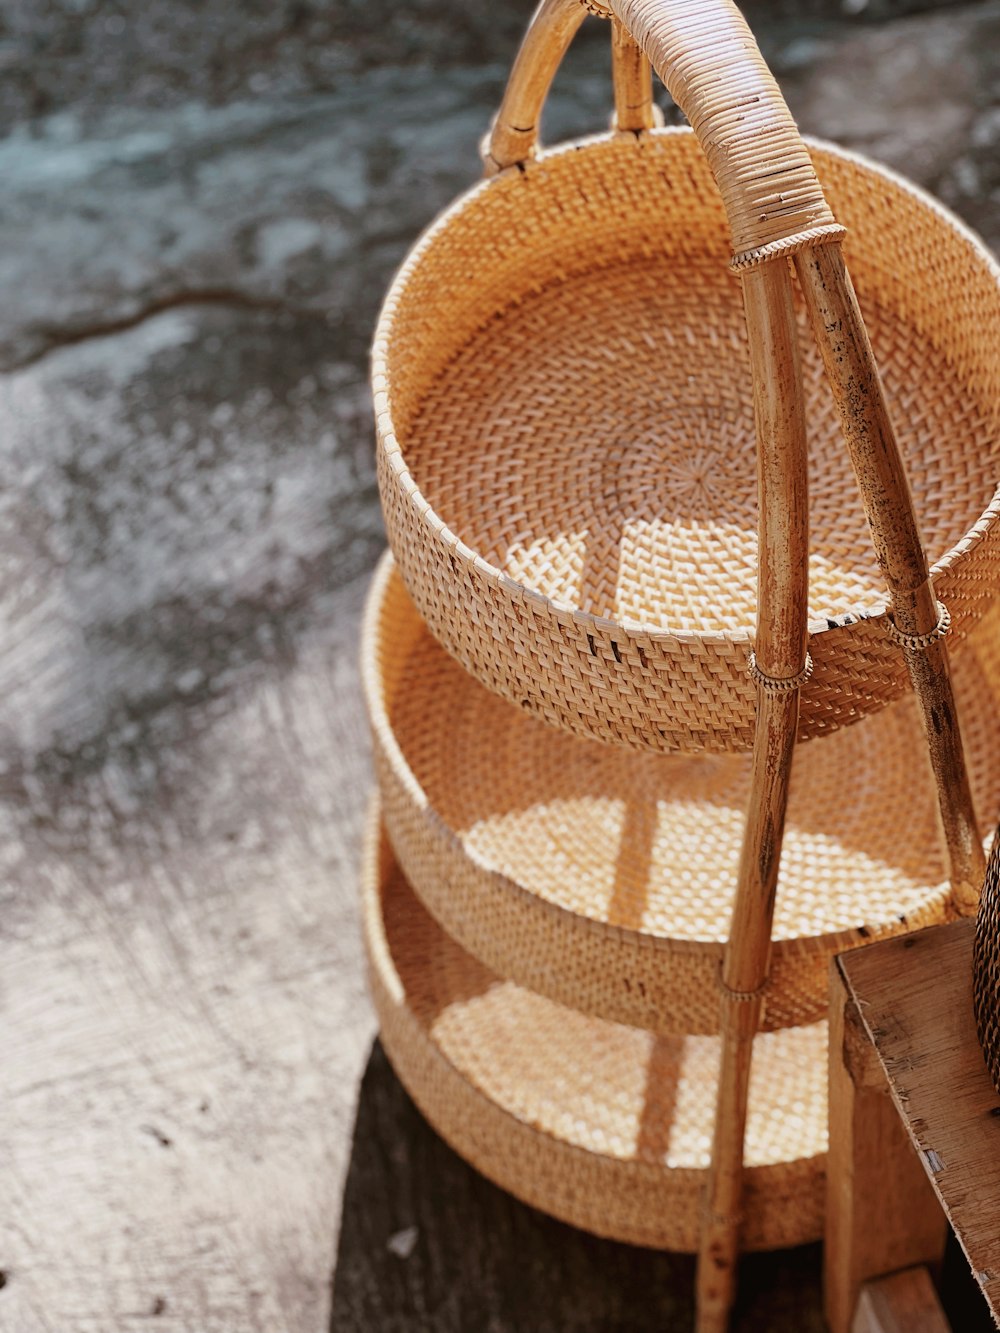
{"x": 514, "y": 135}
{"x": 916, "y": 616}
{"x": 708, "y": 59}
{"x": 632, "y": 73}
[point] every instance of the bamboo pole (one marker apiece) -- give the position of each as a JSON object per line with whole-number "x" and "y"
{"x": 853, "y": 376}
{"x": 633, "y": 83}
{"x": 780, "y": 660}
{"x": 514, "y": 136}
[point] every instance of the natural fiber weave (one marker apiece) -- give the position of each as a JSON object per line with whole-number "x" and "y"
{"x": 566, "y": 442}
{"x": 604, "y": 878}
{"x": 986, "y": 965}
{"x": 601, "y": 1125}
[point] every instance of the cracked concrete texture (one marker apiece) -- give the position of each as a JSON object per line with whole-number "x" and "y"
{"x": 202, "y": 206}
{"x": 310, "y": 201}
{"x": 176, "y": 489}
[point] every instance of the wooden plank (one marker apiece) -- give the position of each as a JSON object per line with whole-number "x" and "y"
{"x": 904, "y": 1302}
{"x": 882, "y": 1213}
{"x": 914, "y": 994}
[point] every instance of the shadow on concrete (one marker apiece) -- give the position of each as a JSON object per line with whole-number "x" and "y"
{"x": 481, "y": 1262}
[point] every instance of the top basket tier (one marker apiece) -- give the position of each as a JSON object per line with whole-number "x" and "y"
{"x": 566, "y": 435}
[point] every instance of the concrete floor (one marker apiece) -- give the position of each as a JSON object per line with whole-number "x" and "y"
{"x": 201, "y": 206}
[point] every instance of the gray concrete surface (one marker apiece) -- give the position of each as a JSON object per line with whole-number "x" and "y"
{"x": 201, "y": 205}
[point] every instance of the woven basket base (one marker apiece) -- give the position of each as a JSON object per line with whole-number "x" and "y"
{"x": 603, "y": 1126}
{"x": 603, "y": 878}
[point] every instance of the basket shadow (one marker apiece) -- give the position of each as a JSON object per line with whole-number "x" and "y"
{"x": 481, "y": 1260}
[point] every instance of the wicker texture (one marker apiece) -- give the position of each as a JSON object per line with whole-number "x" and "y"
{"x": 709, "y": 61}
{"x": 566, "y": 443}
{"x": 986, "y": 966}
{"x": 603, "y": 1126}
{"x": 605, "y": 878}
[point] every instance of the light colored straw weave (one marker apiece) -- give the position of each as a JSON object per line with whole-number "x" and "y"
{"x": 566, "y": 440}
{"x": 604, "y": 1126}
{"x": 604, "y": 878}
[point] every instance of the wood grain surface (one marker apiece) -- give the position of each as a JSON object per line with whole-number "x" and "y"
{"x": 914, "y": 995}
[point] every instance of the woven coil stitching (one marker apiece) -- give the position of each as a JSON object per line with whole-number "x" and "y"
{"x": 741, "y": 996}
{"x": 918, "y": 642}
{"x": 778, "y": 684}
{"x": 790, "y": 245}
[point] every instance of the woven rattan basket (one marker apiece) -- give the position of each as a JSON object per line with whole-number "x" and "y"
{"x": 601, "y": 1125}
{"x": 629, "y": 494}
{"x": 605, "y": 878}
{"x": 986, "y": 964}
{"x": 566, "y": 440}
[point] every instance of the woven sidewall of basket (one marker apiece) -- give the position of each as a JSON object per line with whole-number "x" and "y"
{"x": 986, "y": 966}
{"x": 604, "y": 878}
{"x": 602, "y": 1126}
{"x": 566, "y": 441}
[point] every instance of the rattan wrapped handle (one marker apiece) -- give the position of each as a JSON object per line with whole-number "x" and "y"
{"x": 708, "y": 58}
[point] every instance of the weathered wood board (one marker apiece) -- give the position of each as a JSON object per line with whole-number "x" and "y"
{"x": 903, "y": 1302}
{"x": 914, "y": 995}
{"x": 882, "y": 1214}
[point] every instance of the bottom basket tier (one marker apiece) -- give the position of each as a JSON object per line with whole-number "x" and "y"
{"x": 603, "y": 1126}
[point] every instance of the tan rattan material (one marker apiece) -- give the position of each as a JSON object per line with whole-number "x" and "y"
{"x": 604, "y": 1126}
{"x": 986, "y": 964}
{"x": 605, "y": 878}
{"x": 566, "y": 441}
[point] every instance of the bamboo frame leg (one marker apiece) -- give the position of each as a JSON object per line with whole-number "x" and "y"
{"x": 881, "y": 1210}
{"x": 780, "y": 655}
{"x": 744, "y": 974}
{"x": 851, "y": 370}
{"x": 633, "y": 82}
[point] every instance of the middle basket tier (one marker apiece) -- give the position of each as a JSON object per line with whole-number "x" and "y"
{"x": 603, "y": 877}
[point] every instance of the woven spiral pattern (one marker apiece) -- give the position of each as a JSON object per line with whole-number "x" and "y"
{"x": 566, "y": 447}
{"x": 603, "y": 1126}
{"x": 605, "y": 878}
{"x": 986, "y": 966}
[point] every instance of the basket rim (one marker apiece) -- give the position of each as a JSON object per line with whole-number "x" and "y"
{"x": 561, "y": 612}
{"x": 384, "y": 738}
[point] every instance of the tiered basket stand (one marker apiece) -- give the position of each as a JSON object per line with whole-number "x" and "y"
{"x": 590, "y": 667}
